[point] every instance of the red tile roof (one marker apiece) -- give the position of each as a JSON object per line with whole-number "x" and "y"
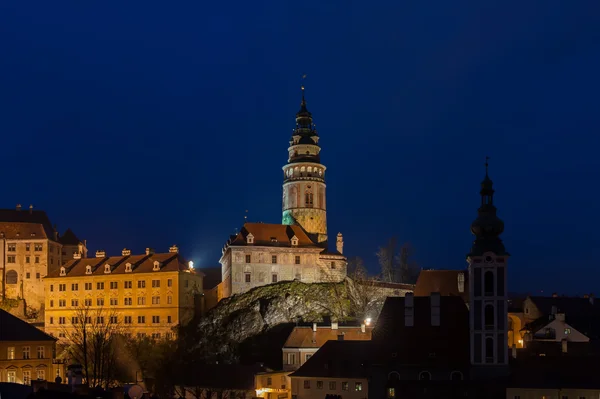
{"x": 273, "y": 235}
{"x": 16, "y": 230}
{"x": 304, "y": 337}
{"x": 443, "y": 281}
{"x": 169, "y": 262}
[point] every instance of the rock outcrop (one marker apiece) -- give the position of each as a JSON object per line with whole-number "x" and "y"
{"x": 246, "y": 315}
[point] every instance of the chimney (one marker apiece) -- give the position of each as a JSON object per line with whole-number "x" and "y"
{"x": 560, "y": 317}
{"x": 149, "y": 251}
{"x": 334, "y": 325}
{"x": 174, "y": 249}
{"x": 591, "y": 299}
{"x": 339, "y": 243}
{"x": 461, "y": 282}
{"x": 126, "y": 252}
{"x": 435, "y": 308}
{"x": 314, "y": 327}
{"x": 564, "y": 345}
{"x": 18, "y": 207}
{"x": 554, "y": 310}
{"x": 30, "y": 209}
{"x": 409, "y": 310}
{"x": 514, "y": 351}
{"x": 554, "y": 295}
{"x": 100, "y": 254}
{"x": 341, "y": 337}
{"x": 76, "y": 255}
{"x": 363, "y": 328}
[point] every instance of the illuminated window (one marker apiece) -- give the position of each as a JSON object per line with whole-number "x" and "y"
{"x": 567, "y": 331}
{"x": 27, "y": 377}
{"x": 37, "y": 247}
{"x": 11, "y": 247}
{"x": 273, "y": 258}
{"x": 391, "y": 392}
{"x": 156, "y": 300}
{"x": 10, "y": 354}
{"x": 41, "y": 374}
{"x": 344, "y": 386}
{"x": 141, "y": 300}
{"x": 358, "y": 386}
{"x": 11, "y": 376}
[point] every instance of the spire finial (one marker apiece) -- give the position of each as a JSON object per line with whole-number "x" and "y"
{"x": 246, "y": 216}
{"x": 486, "y": 165}
{"x": 302, "y": 87}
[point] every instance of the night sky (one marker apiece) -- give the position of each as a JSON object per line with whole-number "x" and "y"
{"x": 153, "y": 123}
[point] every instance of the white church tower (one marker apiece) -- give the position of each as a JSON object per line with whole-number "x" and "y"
{"x": 304, "y": 178}
{"x": 487, "y": 286}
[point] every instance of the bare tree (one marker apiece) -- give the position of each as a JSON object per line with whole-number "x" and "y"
{"x": 92, "y": 340}
{"x": 397, "y": 264}
{"x": 388, "y": 260}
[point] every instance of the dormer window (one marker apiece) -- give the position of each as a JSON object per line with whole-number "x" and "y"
{"x": 273, "y": 239}
{"x": 156, "y": 266}
{"x": 88, "y": 269}
{"x": 63, "y": 271}
{"x": 294, "y": 241}
{"x": 250, "y": 238}
{"x": 128, "y": 268}
{"x": 33, "y": 234}
{"x": 107, "y": 268}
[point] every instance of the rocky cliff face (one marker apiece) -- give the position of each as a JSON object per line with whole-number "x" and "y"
{"x": 241, "y": 317}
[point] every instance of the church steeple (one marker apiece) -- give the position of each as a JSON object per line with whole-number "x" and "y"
{"x": 487, "y": 227}
{"x": 304, "y": 177}
{"x": 487, "y": 286}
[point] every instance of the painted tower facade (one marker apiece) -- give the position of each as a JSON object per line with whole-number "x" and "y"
{"x": 487, "y": 283}
{"x": 304, "y": 198}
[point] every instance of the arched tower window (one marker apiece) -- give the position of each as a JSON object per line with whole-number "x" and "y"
{"x": 308, "y": 200}
{"x": 12, "y": 277}
{"x": 489, "y": 350}
{"x": 488, "y": 283}
{"x": 489, "y": 317}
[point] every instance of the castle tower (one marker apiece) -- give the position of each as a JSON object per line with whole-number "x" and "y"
{"x": 487, "y": 284}
{"x": 304, "y": 178}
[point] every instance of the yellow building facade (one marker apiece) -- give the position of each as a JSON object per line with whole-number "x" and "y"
{"x": 144, "y": 295}
{"x": 26, "y": 353}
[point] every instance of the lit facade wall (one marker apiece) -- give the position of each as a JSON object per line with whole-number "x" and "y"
{"x": 24, "y": 361}
{"x": 317, "y": 388}
{"x": 148, "y": 304}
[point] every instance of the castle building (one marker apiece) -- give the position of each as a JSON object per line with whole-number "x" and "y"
{"x": 146, "y": 295}
{"x": 264, "y": 253}
{"x": 487, "y": 285}
{"x": 30, "y": 248}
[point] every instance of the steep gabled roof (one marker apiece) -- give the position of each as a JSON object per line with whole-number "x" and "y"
{"x": 14, "y": 329}
{"x": 580, "y": 313}
{"x": 28, "y": 216}
{"x": 23, "y": 231}
{"x": 338, "y": 359}
{"x": 69, "y": 238}
{"x": 305, "y": 337}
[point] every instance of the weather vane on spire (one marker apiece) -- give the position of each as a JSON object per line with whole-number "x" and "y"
{"x": 486, "y": 164}
{"x": 303, "y": 77}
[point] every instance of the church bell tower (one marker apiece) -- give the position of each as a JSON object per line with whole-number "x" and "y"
{"x": 304, "y": 178}
{"x": 487, "y": 285}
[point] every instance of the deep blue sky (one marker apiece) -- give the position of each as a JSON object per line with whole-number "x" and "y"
{"x": 151, "y": 123}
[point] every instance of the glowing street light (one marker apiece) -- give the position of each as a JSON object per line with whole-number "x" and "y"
{"x": 191, "y": 264}
{"x": 368, "y": 321}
